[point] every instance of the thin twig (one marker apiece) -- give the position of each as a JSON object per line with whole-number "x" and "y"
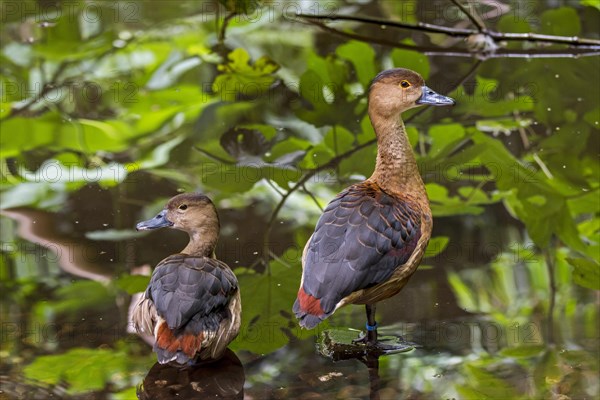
{"x": 221, "y": 37}
{"x": 213, "y": 156}
{"x": 550, "y": 267}
{"x": 312, "y": 196}
{"x": 274, "y": 187}
{"x": 45, "y": 90}
{"x": 420, "y": 26}
{"x": 460, "y": 52}
{"x": 476, "y": 21}
{"x": 521, "y": 130}
{"x": 543, "y": 166}
{"x": 458, "y": 32}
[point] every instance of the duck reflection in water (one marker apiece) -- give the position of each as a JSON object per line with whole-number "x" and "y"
{"x": 220, "y": 379}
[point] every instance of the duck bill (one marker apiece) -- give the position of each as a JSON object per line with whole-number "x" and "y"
{"x": 434, "y": 99}
{"x": 160, "y": 221}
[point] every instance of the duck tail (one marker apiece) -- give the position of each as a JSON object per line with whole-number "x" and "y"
{"x": 181, "y": 348}
{"x": 308, "y": 310}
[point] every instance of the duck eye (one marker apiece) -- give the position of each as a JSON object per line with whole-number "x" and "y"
{"x": 183, "y": 207}
{"x": 405, "y": 84}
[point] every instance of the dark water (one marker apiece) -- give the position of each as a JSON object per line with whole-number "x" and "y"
{"x": 500, "y": 311}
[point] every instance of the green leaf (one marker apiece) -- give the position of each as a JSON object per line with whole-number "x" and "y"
{"x": 547, "y": 371}
{"x": 487, "y": 385}
{"x": 132, "y": 283}
{"x": 411, "y": 59}
{"x": 241, "y": 77}
{"x": 465, "y": 296}
{"x": 84, "y": 370}
{"x": 591, "y": 3}
{"x": 562, "y": 21}
{"x": 78, "y": 296}
{"x": 444, "y": 138}
{"x": 160, "y": 155}
{"x": 267, "y": 300}
{"x": 115, "y": 235}
{"x": 436, "y": 246}
{"x": 490, "y": 100}
{"x": 586, "y": 272}
{"x": 525, "y": 351}
{"x": 362, "y": 57}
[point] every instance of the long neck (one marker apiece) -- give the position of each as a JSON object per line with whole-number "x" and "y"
{"x": 202, "y": 242}
{"x": 396, "y": 168}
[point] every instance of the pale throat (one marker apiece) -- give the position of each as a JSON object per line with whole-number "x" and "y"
{"x": 202, "y": 243}
{"x": 396, "y": 169}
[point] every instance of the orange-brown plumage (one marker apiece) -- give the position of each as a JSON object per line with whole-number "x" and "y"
{"x": 192, "y": 304}
{"x": 372, "y": 236}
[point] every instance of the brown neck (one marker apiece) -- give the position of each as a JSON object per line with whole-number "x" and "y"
{"x": 396, "y": 168}
{"x": 202, "y": 243}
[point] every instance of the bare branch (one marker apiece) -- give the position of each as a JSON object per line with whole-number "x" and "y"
{"x": 420, "y": 26}
{"x": 463, "y": 52}
{"x": 457, "y": 32}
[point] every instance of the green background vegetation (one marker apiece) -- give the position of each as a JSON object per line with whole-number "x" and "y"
{"x": 107, "y": 111}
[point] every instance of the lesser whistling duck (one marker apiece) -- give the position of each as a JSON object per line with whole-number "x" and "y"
{"x": 372, "y": 236}
{"x": 192, "y": 305}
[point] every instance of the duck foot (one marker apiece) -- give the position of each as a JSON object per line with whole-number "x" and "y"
{"x": 342, "y": 344}
{"x": 388, "y": 344}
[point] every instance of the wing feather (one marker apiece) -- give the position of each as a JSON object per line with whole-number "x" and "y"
{"x": 188, "y": 290}
{"x": 363, "y": 236}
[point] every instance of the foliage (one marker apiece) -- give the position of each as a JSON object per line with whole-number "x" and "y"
{"x": 270, "y": 120}
{"x": 83, "y": 370}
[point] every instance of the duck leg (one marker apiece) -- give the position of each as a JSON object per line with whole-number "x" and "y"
{"x": 371, "y": 336}
{"x": 371, "y": 324}
{"x": 377, "y": 346}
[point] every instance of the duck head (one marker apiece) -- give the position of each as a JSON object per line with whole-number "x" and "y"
{"x": 189, "y": 212}
{"x": 396, "y": 90}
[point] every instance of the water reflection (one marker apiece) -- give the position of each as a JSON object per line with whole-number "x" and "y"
{"x": 341, "y": 345}
{"x": 221, "y": 379}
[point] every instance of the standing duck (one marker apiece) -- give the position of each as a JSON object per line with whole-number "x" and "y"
{"x": 192, "y": 305}
{"x": 372, "y": 236}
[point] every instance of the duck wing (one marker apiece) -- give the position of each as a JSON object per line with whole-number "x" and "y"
{"x": 191, "y": 290}
{"x": 363, "y": 236}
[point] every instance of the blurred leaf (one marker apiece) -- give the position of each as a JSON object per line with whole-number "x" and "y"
{"x": 246, "y": 145}
{"x": 464, "y": 294}
{"x": 362, "y": 57}
{"x": 561, "y": 21}
{"x": 84, "y": 370}
{"x": 586, "y": 273}
{"x": 240, "y": 6}
{"x": 411, "y": 60}
{"x": 160, "y": 155}
{"x": 436, "y": 246}
{"x": 524, "y": 351}
{"x": 78, "y": 296}
{"x": 547, "y": 373}
{"x": 489, "y": 100}
{"x": 240, "y": 77}
{"x": 486, "y": 385}
{"x": 267, "y": 300}
{"x": 41, "y": 195}
{"x": 132, "y": 283}
{"x": 115, "y": 235}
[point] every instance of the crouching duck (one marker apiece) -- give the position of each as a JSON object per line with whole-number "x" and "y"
{"x": 372, "y": 236}
{"x": 192, "y": 305}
